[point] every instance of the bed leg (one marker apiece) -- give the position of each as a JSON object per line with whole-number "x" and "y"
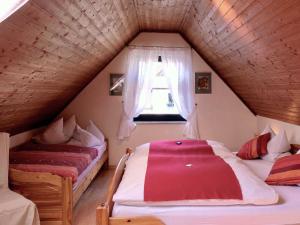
{"x": 67, "y": 201}
{"x": 102, "y": 214}
{"x": 106, "y": 165}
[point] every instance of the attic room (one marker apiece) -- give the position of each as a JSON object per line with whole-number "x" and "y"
{"x": 149, "y": 112}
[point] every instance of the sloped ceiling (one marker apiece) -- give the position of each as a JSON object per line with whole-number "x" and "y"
{"x": 49, "y": 50}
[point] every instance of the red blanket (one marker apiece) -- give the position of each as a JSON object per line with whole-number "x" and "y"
{"x": 64, "y": 171}
{"x": 62, "y": 160}
{"x": 29, "y": 146}
{"x": 78, "y": 160}
{"x": 188, "y": 171}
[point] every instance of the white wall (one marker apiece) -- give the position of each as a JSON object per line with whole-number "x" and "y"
{"x": 292, "y": 130}
{"x": 23, "y": 137}
{"x": 222, "y": 116}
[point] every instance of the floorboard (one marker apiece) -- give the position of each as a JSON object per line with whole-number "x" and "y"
{"x": 85, "y": 210}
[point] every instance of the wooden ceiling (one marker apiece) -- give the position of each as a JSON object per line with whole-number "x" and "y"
{"x": 50, "y": 50}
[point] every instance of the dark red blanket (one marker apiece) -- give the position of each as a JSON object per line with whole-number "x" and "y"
{"x": 77, "y": 160}
{"x": 62, "y": 160}
{"x": 63, "y": 171}
{"x": 188, "y": 171}
{"x": 30, "y": 146}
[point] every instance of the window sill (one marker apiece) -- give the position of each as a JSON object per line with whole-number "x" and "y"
{"x": 160, "y": 122}
{"x": 159, "y": 118}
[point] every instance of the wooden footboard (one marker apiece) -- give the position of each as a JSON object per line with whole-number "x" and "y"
{"x": 52, "y": 194}
{"x": 104, "y": 210}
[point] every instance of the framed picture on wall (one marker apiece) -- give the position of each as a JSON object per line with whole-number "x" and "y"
{"x": 116, "y": 83}
{"x": 203, "y": 83}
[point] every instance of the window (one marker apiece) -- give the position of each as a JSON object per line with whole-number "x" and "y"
{"x": 160, "y": 106}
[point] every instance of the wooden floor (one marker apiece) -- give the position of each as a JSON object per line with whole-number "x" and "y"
{"x": 85, "y": 210}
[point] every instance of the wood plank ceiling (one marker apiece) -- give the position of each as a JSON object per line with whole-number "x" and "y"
{"x": 49, "y": 50}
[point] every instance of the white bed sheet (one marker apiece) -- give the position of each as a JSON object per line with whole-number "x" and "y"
{"x": 287, "y": 211}
{"x": 131, "y": 188}
{"x": 101, "y": 149}
{"x": 259, "y": 167}
{"x": 17, "y": 210}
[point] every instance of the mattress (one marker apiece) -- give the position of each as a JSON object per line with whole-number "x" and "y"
{"x": 285, "y": 212}
{"x": 101, "y": 149}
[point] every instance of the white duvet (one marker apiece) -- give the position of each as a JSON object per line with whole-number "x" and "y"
{"x": 131, "y": 189}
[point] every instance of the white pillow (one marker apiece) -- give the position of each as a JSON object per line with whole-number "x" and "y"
{"x": 53, "y": 134}
{"x": 298, "y": 152}
{"x": 93, "y": 129}
{"x": 86, "y": 138}
{"x": 268, "y": 129}
{"x": 284, "y": 154}
{"x": 276, "y": 146}
{"x": 69, "y": 126}
{"x": 74, "y": 142}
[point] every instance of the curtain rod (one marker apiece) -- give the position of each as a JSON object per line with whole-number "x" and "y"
{"x": 196, "y": 104}
{"x": 154, "y": 46}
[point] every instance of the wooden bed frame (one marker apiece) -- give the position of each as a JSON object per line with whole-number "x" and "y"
{"x": 53, "y": 195}
{"x": 104, "y": 210}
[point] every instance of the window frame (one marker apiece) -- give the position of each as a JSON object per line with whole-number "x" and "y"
{"x": 159, "y": 117}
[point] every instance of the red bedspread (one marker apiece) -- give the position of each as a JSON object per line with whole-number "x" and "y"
{"x": 64, "y": 171}
{"x": 62, "y": 160}
{"x": 188, "y": 171}
{"x": 29, "y": 146}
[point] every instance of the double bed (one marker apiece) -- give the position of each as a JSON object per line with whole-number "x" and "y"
{"x": 48, "y": 175}
{"x": 285, "y": 211}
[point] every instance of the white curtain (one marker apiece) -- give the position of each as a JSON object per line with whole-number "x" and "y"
{"x": 177, "y": 67}
{"x": 137, "y": 87}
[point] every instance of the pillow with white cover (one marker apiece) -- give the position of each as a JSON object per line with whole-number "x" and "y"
{"x": 277, "y": 145}
{"x": 74, "y": 142}
{"x": 69, "y": 126}
{"x": 298, "y": 152}
{"x": 268, "y": 129}
{"x": 93, "y": 129}
{"x": 284, "y": 154}
{"x": 86, "y": 138}
{"x": 53, "y": 134}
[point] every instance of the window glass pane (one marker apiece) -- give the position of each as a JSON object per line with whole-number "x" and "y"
{"x": 159, "y": 81}
{"x": 161, "y": 103}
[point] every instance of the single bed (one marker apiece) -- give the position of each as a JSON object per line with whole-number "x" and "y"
{"x": 56, "y": 194}
{"x": 286, "y": 211}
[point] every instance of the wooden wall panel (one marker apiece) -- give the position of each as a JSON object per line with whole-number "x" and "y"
{"x": 254, "y": 45}
{"x": 161, "y": 15}
{"x": 49, "y": 50}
